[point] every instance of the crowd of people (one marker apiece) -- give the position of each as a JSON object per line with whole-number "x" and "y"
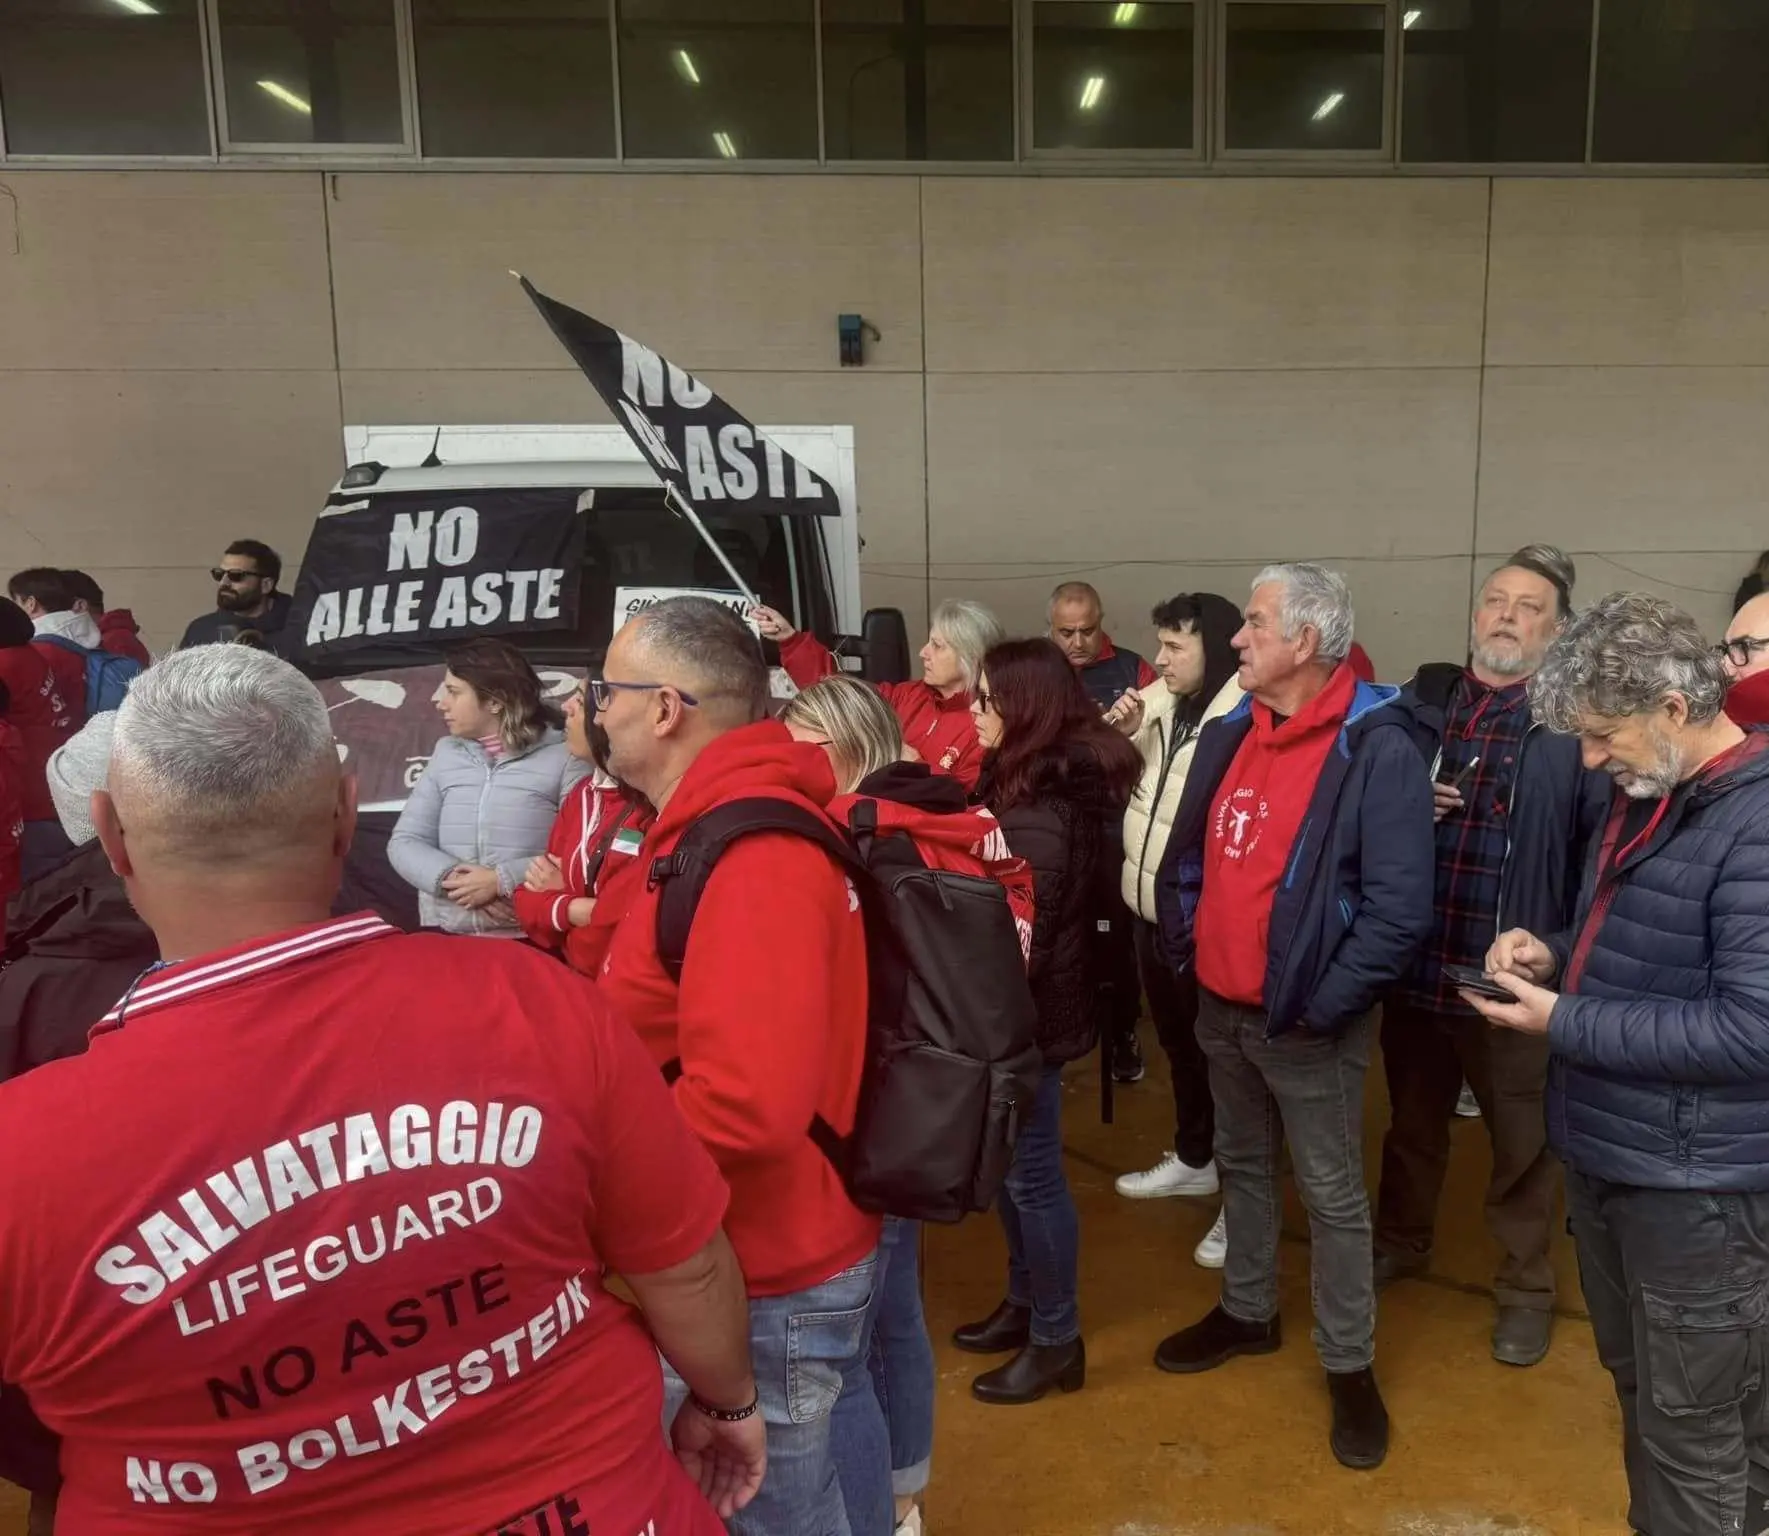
{"x": 1537, "y": 872}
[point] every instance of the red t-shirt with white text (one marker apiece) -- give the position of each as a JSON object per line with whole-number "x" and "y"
{"x": 313, "y": 1238}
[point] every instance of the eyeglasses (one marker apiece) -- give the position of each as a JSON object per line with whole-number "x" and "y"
{"x": 985, "y": 702}
{"x": 602, "y": 691}
{"x": 233, "y": 578}
{"x": 1740, "y": 651}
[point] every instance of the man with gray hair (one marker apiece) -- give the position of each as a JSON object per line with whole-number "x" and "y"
{"x": 1515, "y": 813}
{"x": 1297, "y": 881}
{"x": 1654, "y": 1003}
{"x": 293, "y": 1122}
{"x": 759, "y": 1019}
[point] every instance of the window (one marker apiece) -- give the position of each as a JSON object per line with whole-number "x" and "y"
{"x": 918, "y": 79}
{"x": 299, "y": 72}
{"x": 704, "y": 80}
{"x": 1112, "y": 76}
{"x": 520, "y": 79}
{"x": 78, "y": 77}
{"x": 1683, "y": 81}
{"x": 1303, "y": 77}
{"x": 1495, "y": 80}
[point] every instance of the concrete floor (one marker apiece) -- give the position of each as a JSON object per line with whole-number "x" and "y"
{"x": 1478, "y": 1449}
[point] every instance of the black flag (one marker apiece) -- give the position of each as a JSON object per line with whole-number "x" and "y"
{"x": 714, "y": 458}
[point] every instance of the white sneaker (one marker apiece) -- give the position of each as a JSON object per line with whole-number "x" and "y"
{"x": 1212, "y": 1249}
{"x": 1169, "y": 1177}
{"x": 911, "y": 1524}
{"x": 1467, "y": 1106}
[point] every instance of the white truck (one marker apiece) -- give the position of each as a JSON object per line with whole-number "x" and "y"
{"x": 369, "y": 635}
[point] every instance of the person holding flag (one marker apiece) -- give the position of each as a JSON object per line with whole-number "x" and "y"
{"x": 935, "y": 710}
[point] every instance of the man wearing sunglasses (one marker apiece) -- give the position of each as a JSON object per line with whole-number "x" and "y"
{"x": 1745, "y": 655}
{"x": 245, "y": 598}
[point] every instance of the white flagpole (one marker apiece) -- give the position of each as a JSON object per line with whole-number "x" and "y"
{"x": 681, "y": 503}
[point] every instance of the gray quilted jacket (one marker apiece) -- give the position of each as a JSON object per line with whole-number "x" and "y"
{"x": 471, "y": 808}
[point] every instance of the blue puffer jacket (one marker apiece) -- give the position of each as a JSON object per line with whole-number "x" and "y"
{"x": 1355, "y": 902}
{"x": 1660, "y": 1070}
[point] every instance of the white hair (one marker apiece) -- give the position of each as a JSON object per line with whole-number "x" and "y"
{"x": 222, "y": 737}
{"x": 972, "y": 631}
{"x": 1317, "y": 598}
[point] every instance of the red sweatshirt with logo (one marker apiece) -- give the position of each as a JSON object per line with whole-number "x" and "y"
{"x": 769, "y": 1021}
{"x": 585, "y": 839}
{"x": 940, "y": 729}
{"x": 1254, "y": 819}
{"x": 948, "y": 834}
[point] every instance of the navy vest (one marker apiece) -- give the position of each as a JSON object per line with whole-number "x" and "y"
{"x": 1107, "y": 681}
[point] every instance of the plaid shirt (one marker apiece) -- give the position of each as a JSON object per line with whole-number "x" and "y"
{"x": 1489, "y": 724}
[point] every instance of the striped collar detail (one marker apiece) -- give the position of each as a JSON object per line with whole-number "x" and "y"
{"x": 183, "y": 980}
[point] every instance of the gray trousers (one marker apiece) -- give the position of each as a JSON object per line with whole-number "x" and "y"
{"x": 1308, "y": 1088}
{"x": 1677, "y": 1283}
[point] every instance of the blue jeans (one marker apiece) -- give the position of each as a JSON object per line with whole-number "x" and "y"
{"x": 800, "y": 1345}
{"x": 1043, "y": 1232}
{"x": 883, "y": 1429}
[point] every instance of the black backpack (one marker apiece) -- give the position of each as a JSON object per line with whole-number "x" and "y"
{"x": 951, "y": 1054}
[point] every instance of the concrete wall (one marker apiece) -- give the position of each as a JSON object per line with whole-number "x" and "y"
{"x": 1157, "y": 383}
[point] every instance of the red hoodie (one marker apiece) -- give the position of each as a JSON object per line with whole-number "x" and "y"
{"x": 585, "y": 832}
{"x": 769, "y": 1022}
{"x": 120, "y": 635}
{"x": 965, "y": 840}
{"x": 43, "y": 717}
{"x": 940, "y": 730}
{"x": 1255, "y": 816}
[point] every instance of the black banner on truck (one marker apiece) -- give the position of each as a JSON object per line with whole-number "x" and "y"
{"x": 428, "y": 569}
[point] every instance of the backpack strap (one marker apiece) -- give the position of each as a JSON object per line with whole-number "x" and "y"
{"x": 683, "y": 872}
{"x": 598, "y": 855}
{"x": 682, "y": 875}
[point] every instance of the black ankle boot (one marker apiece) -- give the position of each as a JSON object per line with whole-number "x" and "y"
{"x": 1215, "y": 1341}
{"x": 1033, "y": 1372}
{"x": 1007, "y": 1327}
{"x": 1360, "y": 1421}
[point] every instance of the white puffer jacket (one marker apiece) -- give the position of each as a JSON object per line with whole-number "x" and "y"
{"x": 1148, "y": 819}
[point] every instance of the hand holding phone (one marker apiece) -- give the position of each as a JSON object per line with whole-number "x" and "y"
{"x": 1468, "y": 979}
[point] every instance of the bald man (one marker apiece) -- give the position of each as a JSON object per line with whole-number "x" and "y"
{"x": 322, "y": 1240}
{"x": 1745, "y": 654}
{"x": 762, "y": 1025}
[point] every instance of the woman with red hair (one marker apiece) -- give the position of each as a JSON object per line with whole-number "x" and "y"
{"x": 1057, "y": 778}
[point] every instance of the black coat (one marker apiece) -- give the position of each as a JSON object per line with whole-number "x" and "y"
{"x": 1065, "y": 833}
{"x": 73, "y": 947}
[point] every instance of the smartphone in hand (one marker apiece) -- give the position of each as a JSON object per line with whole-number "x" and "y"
{"x": 1468, "y": 979}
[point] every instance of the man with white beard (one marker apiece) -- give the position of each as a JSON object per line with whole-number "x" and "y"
{"x": 1515, "y": 811}
{"x": 1654, "y": 1003}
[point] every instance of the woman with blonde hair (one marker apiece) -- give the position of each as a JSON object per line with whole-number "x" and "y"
{"x": 934, "y": 711}
{"x": 487, "y": 800}
{"x": 859, "y": 733}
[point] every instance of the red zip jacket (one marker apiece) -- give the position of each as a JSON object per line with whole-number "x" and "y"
{"x": 43, "y": 717}
{"x": 120, "y": 635}
{"x": 940, "y": 729}
{"x": 769, "y": 1022}
{"x": 1253, "y": 824}
{"x": 587, "y": 822}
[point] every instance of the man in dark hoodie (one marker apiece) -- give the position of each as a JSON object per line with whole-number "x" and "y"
{"x": 1297, "y": 881}
{"x": 246, "y": 598}
{"x": 1515, "y": 812}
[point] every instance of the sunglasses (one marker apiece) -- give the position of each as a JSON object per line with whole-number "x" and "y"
{"x": 602, "y": 691}
{"x": 1742, "y": 649}
{"x": 233, "y": 578}
{"x": 984, "y": 701}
